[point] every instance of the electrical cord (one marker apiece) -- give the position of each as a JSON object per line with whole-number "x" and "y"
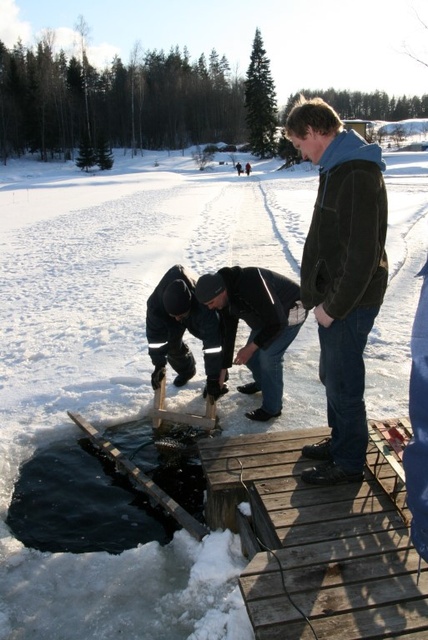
{"x": 278, "y": 561}
{"x": 142, "y": 446}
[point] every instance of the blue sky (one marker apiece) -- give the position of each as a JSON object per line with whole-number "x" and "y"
{"x": 335, "y": 43}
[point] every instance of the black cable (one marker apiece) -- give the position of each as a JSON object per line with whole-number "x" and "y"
{"x": 272, "y": 552}
{"x": 142, "y": 446}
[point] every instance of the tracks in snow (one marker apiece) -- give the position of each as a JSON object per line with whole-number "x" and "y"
{"x": 235, "y": 226}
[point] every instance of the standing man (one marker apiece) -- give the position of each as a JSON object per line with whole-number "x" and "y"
{"x": 344, "y": 276}
{"x": 270, "y": 304}
{"x": 171, "y": 309}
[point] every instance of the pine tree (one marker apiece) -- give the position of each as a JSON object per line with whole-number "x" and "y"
{"x": 286, "y": 150}
{"x": 104, "y": 156}
{"x": 260, "y": 101}
{"x": 87, "y": 156}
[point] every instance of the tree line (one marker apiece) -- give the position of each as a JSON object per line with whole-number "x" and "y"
{"x": 366, "y": 106}
{"x": 50, "y": 103}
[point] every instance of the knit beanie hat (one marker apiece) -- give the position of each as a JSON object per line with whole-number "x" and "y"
{"x": 177, "y": 298}
{"x": 209, "y": 286}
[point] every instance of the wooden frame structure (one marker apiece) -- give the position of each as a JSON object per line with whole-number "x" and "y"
{"x": 160, "y": 414}
{"x": 390, "y": 437}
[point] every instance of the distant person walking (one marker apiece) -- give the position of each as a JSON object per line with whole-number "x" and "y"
{"x": 239, "y": 168}
{"x": 344, "y": 275}
{"x": 248, "y": 168}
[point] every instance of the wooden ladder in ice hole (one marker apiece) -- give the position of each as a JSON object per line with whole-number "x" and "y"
{"x": 159, "y": 413}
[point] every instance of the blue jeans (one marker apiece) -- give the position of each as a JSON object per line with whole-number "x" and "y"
{"x": 415, "y": 455}
{"x": 342, "y": 371}
{"x": 266, "y": 365}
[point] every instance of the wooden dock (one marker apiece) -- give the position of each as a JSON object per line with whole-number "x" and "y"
{"x": 330, "y": 563}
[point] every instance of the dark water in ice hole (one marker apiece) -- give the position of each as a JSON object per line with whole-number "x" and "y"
{"x": 70, "y": 497}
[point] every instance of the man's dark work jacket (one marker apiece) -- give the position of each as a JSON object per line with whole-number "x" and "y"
{"x": 202, "y": 323}
{"x": 260, "y": 297}
{"x": 344, "y": 263}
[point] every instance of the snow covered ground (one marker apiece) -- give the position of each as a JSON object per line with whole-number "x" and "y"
{"x": 80, "y": 253}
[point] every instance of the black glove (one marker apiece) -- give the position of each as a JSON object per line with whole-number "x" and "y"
{"x": 157, "y": 376}
{"x": 212, "y": 388}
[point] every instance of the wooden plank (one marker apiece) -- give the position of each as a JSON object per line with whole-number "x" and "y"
{"x": 318, "y": 602}
{"x": 183, "y": 418}
{"x": 270, "y": 469}
{"x": 284, "y": 515}
{"x": 263, "y": 526}
{"x": 406, "y": 424}
{"x": 251, "y": 463}
{"x": 336, "y": 529}
{"x": 294, "y": 439}
{"x": 249, "y": 544}
{"x": 319, "y": 553}
{"x": 210, "y": 409}
{"x": 356, "y": 568}
{"x": 400, "y": 620}
{"x": 252, "y": 457}
{"x": 229, "y": 476}
{"x": 294, "y": 485}
{"x": 379, "y": 441}
{"x": 284, "y": 498}
{"x": 195, "y": 528}
{"x": 313, "y": 513}
{"x": 159, "y": 400}
{"x": 386, "y": 478}
{"x": 220, "y": 508}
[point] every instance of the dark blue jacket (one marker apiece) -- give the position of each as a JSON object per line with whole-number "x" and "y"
{"x": 415, "y": 457}
{"x": 204, "y": 324}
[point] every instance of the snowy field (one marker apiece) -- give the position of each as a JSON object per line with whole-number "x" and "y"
{"x": 80, "y": 254}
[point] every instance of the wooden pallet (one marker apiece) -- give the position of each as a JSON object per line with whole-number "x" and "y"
{"x": 160, "y": 415}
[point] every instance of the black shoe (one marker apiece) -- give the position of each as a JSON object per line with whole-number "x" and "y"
{"x": 318, "y": 451}
{"x": 261, "y": 415}
{"x": 181, "y": 379}
{"x": 248, "y": 389}
{"x": 223, "y": 391}
{"x": 330, "y": 473}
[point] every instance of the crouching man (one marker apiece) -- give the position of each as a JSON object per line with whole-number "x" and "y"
{"x": 171, "y": 309}
{"x": 270, "y": 305}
